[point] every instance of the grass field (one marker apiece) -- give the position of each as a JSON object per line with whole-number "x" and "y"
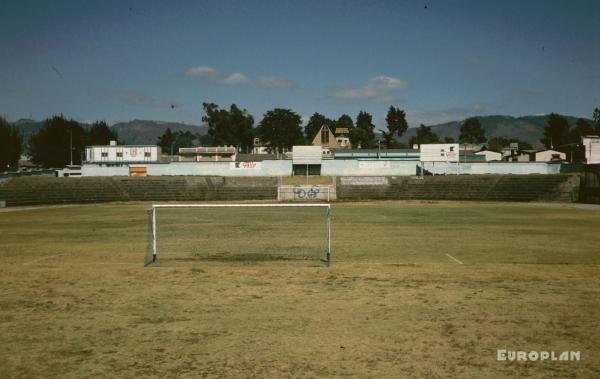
{"x": 76, "y": 301}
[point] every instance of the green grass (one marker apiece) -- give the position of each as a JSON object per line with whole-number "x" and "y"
{"x": 75, "y": 299}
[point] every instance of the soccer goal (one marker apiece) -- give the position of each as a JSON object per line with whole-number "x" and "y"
{"x": 239, "y": 232}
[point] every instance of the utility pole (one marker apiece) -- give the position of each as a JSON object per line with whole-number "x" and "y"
{"x": 71, "y": 144}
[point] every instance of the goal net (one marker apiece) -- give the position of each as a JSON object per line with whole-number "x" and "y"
{"x": 239, "y": 232}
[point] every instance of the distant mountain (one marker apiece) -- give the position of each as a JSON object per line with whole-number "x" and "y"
{"x": 527, "y": 128}
{"x": 141, "y": 132}
{"x": 28, "y": 127}
{"x": 136, "y": 132}
{"x": 146, "y": 132}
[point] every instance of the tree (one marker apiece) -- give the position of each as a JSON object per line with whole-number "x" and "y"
{"x": 183, "y": 139}
{"x": 449, "y": 140}
{"x": 363, "y": 135}
{"x": 51, "y": 146}
{"x": 499, "y": 143}
{"x": 217, "y": 124}
{"x": 423, "y": 135}
{"x": 596, "y": 117}
{"x": 100, "y": 134}
{"x": 388, "y": 139}
{"x": 241, "y": 123}
{"x": 396, "y": 125}
{"x": 233, "y": 127}
{"x": 556, "y": 131}
{"x": 582, "y": 128}
{"x": 11, "y": 145}
{"x": 280, "y": 129}
{"x": 396, "y": 121}
{"x": 315, "y": 123}
{"x": 345, "y": 121}
{"x": 574, "y": 149}
{"x": 167, "y": 142}
{"x": 471, "y": 131}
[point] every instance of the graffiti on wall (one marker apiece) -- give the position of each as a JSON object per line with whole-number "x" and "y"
{"x": 302, "y": 192}
{"x": 305, "y": 192}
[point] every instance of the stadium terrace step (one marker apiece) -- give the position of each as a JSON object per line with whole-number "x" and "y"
{"x": 49, "y": 190}
{"x": 466, "y": 187}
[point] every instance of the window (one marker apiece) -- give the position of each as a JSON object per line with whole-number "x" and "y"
{"x": 147, "y": 154}
{"x": 119, "y": 154}
{"x": 104, "y": 154}
{"x": 325, "y": 135}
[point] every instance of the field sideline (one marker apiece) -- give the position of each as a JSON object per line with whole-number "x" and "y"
{"x": 428, "y": 289}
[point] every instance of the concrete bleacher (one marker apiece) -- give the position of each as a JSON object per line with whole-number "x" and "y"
{"x": 47, "y": 190}
{"x": 559, "y": 187}
{"x": 51, "y": 190}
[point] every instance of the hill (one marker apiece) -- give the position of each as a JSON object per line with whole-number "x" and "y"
{"x": 526, "y": 128}
{"x": 136, "y": 132}
{"x": 27, "y": 127}
{"x": 143, "y": 132}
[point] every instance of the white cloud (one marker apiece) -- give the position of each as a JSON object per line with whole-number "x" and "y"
{"x": 202, "y": 71}
{"x": 377, "y": 89}
{"x": 305, "y": 120}
{"x": 236, "y": 79}
{"x": 274, "y": 82}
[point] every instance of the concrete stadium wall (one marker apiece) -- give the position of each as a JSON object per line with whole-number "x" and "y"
{"x": 350, "y": 167}
{"x": 103, "y": 170}
{"x": 354, "y": 167}
{"x": 515, "y": 168}
{"x": 264, "y": 168}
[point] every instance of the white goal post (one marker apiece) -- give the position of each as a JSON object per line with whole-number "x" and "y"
{"x": 151, "y": 258}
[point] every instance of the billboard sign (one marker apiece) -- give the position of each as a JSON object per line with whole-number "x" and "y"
{"x": 439, "y": 152}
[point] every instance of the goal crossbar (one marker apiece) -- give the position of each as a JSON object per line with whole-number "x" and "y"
{"x": 242, "y": 205}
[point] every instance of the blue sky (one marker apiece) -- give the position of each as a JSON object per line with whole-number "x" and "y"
{"x": 437, "y": 60}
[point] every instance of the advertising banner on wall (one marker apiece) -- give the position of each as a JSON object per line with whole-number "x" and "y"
{"x": 245, "y": 165}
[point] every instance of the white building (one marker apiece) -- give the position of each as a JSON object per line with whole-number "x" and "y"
{"x": 114, "y": 153}
{"x": 592, "y": 149}
{"x": 213, "y": 153}
{"x": 69, "y": 171}
{"x": 523, "y": 156}
{"x": 490, "y": 155}
{"x": 549, "y": 155}
{"x": 258, "y": 147}
{"x": 306, "y": 160}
